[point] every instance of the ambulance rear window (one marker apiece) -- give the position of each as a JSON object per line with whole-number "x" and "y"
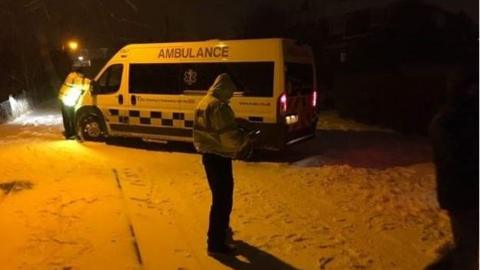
{"x": 299, "y": 79}
{"x": 251, "y": 78}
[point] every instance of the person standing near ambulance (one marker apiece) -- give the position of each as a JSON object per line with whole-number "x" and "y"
{"x": 68, "y": 111}
{"x": 454, "y": 135}
{"x": 69, "y": 95}
{"x": 219, "y": 139}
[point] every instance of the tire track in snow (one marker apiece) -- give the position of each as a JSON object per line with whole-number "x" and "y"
{"x": 183, "y": 233}
{"x": 129, "y": 221}
{"x": 176, "y": 220}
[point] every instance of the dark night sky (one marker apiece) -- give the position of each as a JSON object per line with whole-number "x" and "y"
{"x": 198, "y": 20}
{"x": 219, "y": 18}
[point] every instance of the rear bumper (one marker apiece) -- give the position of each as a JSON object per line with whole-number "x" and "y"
{"x": 278, "y": 136}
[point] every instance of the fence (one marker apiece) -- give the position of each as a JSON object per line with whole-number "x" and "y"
{"x": 14, "y": 107}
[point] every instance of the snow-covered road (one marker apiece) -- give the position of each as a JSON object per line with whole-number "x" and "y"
{"x": 355, "y": 197}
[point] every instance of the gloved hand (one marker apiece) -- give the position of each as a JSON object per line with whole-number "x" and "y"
{"x": 254, "y": 135}
{"x": 247, "y": 151}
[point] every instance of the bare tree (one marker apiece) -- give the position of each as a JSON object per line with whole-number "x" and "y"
{"x": 34, "y": 29}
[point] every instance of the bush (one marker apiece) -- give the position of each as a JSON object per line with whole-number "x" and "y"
{"x": 402, "y": 99}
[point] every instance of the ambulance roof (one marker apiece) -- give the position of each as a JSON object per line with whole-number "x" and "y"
{"x": 209, "y": 51}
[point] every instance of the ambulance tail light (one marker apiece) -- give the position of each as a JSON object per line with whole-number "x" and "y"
{"x": 282, "y": 103}
{"x": 314, "y": 98}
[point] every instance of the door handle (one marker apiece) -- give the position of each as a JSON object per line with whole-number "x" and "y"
{"x": 133, "y": 100}
{"x": 120, "y": 99}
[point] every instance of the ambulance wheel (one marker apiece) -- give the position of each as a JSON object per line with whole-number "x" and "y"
{"x": 246, "y": 154}
{"x": 90, "y": 128}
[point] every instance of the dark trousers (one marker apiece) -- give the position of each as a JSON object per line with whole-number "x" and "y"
{"x": 220, "y": 180}
{"x": 68, "y": 121}
{"x": 465, "y": 233}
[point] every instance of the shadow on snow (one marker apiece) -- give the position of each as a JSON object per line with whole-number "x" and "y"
{"x": 256, "y": 259}
{"x": 360, "y": 149}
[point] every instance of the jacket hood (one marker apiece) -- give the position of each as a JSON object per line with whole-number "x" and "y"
{"x": 222, "y": 88}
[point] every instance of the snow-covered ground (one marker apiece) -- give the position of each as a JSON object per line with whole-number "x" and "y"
{"x": 355, "y": 197}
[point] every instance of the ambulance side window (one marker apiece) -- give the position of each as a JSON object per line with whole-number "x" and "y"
{"x": 110, "y": 80}
{"x": 154, "y": 79}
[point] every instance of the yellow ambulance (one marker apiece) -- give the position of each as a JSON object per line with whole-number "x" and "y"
{"x": 151, "y": 90}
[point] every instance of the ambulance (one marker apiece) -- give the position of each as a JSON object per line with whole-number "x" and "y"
{"x": 150, "y": 91}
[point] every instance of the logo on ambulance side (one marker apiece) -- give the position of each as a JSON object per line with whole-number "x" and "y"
{"x": 190, "y": 77}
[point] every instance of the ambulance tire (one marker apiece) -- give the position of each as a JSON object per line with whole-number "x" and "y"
{"x": 90, "y": 128}
{"x": 246, "y": 154}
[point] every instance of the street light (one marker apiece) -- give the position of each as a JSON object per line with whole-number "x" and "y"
{"x": 72, "y": 45}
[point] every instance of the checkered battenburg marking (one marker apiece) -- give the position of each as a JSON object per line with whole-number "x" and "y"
{"x": 151, "y": 118}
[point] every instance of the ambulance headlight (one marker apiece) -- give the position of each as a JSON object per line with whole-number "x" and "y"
{"x": 71, "y": 97}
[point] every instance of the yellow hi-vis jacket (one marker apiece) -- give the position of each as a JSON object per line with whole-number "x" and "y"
{"x": 215, "y": 130}
{"x": 74, "y": 79}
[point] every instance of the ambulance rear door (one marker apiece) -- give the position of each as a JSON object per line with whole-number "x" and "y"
{"x": 300, "y": 93}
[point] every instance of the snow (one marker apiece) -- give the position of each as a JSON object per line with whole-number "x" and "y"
{"x": 355, "y": 197}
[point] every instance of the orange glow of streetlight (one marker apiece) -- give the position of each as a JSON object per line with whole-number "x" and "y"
{"x": 72, "y": 45}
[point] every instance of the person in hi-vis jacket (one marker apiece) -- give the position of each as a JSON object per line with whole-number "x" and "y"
{"x": 69, "y": 94}
{"x": 219, "y": 139}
